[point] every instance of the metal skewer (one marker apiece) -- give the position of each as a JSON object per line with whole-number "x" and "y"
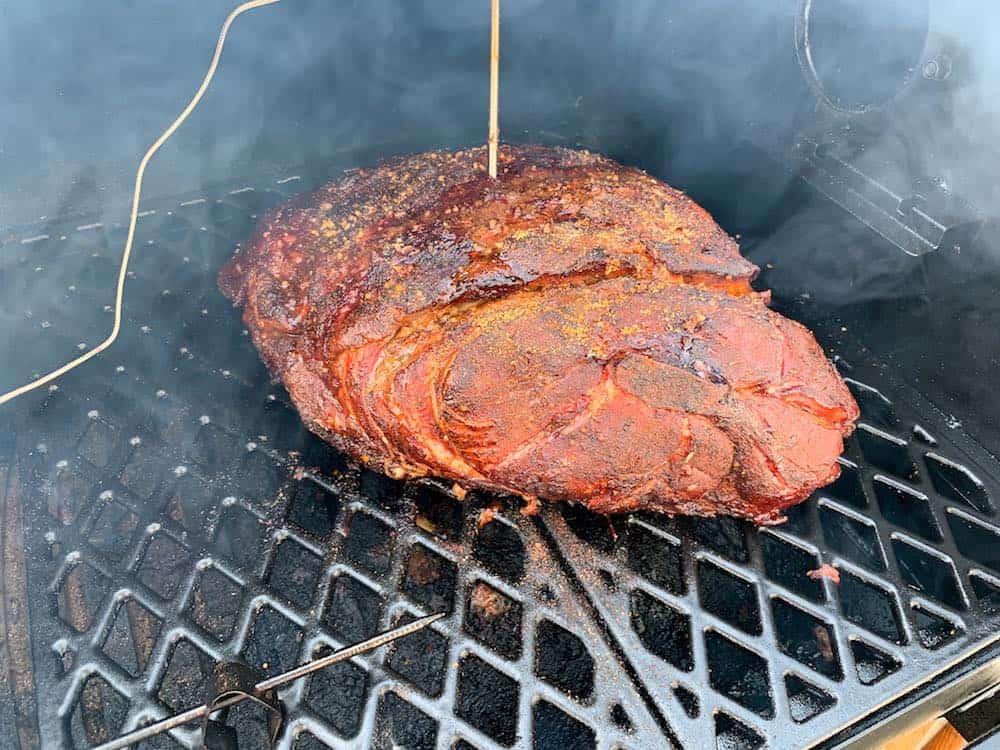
{"x": 192, "y": 714}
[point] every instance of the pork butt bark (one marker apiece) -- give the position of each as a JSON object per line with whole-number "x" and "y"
{"x": 574, "y": 330}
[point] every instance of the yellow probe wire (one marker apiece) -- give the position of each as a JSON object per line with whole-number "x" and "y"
{"x": 133, "y": 217}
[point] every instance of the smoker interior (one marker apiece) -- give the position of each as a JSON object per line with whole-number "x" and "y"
{"x": 163, "y": 507}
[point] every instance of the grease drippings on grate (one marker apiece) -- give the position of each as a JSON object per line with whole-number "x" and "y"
{"x": 99, "y": 713}
{"x": 273, "y": 641}
{"x": 131, "y": 636}
{"x": 185, "y": 675}
{"x": 79, "y": 595}
{"x": 733, "y": 734}
{"x": 933, "y": 629}
{"x": 401, "y": 724}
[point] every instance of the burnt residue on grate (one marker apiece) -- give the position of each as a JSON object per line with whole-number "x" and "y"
{"x": 175, "y": 513}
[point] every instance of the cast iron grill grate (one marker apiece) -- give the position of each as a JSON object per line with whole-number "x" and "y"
{"x": 175, "y": 512}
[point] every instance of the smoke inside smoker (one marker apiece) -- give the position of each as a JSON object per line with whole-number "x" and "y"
{"x": 707, "y": 95}
{"x": 122, "y": 275}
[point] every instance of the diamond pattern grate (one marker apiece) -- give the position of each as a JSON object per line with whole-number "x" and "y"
{"x": 177, "y": 513}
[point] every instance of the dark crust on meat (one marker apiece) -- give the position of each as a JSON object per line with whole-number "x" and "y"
{"x": 381, "y": 298}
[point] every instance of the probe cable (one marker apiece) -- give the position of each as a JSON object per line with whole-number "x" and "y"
{"x": 134, "y": 215}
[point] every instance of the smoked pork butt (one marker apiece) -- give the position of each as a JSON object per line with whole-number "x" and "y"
{"x": 573, "y": 330}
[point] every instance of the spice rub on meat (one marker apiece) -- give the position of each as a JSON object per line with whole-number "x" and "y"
{"x": 573, "y": 330}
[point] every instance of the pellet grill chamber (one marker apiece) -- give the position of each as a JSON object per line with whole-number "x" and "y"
{"x": 163, "y": 508}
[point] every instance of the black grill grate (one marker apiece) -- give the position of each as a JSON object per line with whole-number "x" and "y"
{"x": 175, "y": 512}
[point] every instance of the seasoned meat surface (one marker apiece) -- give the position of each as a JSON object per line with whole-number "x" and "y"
{"x": 573, "y": 330}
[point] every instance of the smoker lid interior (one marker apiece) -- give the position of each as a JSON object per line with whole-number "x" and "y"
{"x": 164, "y": 508}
